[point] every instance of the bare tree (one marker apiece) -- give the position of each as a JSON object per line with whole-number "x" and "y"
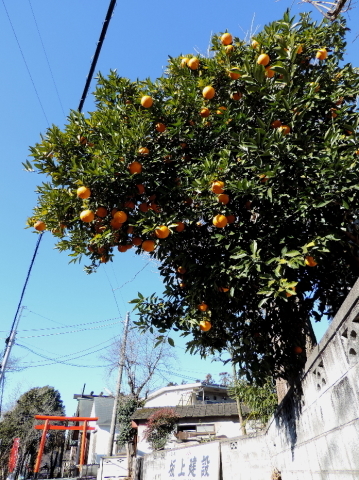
{"x": 144, "y": 364}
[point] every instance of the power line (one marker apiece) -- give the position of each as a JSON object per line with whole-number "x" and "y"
{"x": 71, "y": 331}
{"x": 66, "y": 326}
{"x": 97, "y": 52}
{"x": 26, "y": 65}
{"x": 47, "y": 60}
{"x": 80, "y": 351}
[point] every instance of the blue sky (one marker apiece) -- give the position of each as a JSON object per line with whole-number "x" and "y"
{"x": 140, "y": 38}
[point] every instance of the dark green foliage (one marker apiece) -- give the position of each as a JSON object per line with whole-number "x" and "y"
{"x": 292, "y": 196}
{"x": 128, "y": 405}
{"x": 261, "y": 400}
{"x": 160, "y": 425}
{"x": 19, "y": 422}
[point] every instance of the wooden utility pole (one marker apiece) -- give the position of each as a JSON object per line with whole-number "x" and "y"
{"x": 118, "y": 386}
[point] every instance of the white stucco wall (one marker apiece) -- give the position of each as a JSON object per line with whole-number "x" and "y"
{"x": 171, "y": 398}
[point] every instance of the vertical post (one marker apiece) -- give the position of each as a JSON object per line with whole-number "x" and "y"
{"x": 83, "y": 444}
{"x": 239, "y": 407}
{"x": 41, "y": 448}
{"x": 118, "y": 387}
{"x": 10, "y": 343}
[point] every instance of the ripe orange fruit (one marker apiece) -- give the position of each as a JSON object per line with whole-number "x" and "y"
{"x": 322, "y": 54}
{"x": 333, "y": 113}
{"x": 290, "y": 294}
{"x": 254, "y": 44}
{"x": 181, "y": 270}
{"x": 276, "y": 124}
{"x": 40, "y": 226}
{"x": 310, "y": 261}
{"x": 299, "y": 49}
{"x": 180, "y": 227}
{"x": 236, "y": 96}
{"x": 269, "y": 73}
{"x": 234, "y": 75}
{"x": 184, "y": 62}
{"x": 221, "y": 110}
{"x": 137, "y": 241}
{"x": 223, "y": 289}
{"x": 231, "y": 218}
{"x": 182, "y": 285}
{"x": 101, "y": 212}
{"x": 143, "y": 151}
{"x": 143, "y": 207}
{"x": 220, "y": 221}
{"x": 120, "y": 216}
{"x": 135, "y": 167}
{"x": 148, "y": 245}
{"x": 115, "y": 224}
{"x": 193, "y": 63}
{"x": 208, "y": 92}
{"x": 263, "y": 59}
{"x": 162, "y": 231}
{"x": 205, "y": 325}
{"x": 104, "y": 259}
{"x": 217, "y": 187}
{"x": 284, "y": 129}
{"x": 122, "y": 248}
{"x": 226, "y": 39}
{"x": 229, "y": 49}
{"x": 129, "y": 204}
{"x": 141, "y": 189}
{"x": 154, "y": 207}
{"x": 202, "y": 307}
{"x": 223, "y": 198}
{"x": 83, "y": 192}
{"x": 87, "y": 216}
{"x": 205, "y": 112}
{"x": 146, "y": 101}
{"x": 160, "y": 127}
{"x": 297, "y": 350}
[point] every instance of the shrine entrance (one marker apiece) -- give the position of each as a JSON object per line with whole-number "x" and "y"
{"x": 47, "y": 426}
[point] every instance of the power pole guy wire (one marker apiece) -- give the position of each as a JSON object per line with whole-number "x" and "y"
{"x": 97, "y": 52}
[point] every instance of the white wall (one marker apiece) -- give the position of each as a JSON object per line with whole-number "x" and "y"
{"x": 170, "y": 398}
{"x": 314, "y": 435}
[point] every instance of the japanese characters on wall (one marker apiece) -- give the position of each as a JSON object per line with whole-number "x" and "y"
{"x": 197, "y": 462}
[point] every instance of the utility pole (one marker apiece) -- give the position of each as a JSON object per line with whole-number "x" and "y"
{"x": 118, "y": 386}
{"x": 9, "y": 343}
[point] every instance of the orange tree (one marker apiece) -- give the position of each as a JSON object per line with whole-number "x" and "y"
{"x": 238, "y": 172}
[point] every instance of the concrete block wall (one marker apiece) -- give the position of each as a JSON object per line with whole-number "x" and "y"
{"x": 314, "y": 434}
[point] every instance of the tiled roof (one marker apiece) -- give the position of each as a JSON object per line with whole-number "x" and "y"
{"x": 200, "y": 410}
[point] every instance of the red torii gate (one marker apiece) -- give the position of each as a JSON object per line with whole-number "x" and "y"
{"x": 46, "y": 426}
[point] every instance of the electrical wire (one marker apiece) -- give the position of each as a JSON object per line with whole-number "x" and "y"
{"x": 79, "y": 351}
{"x": 26, "y": 65}
{"x": 47, "y": 59}
{"x": 133, "y": 278}
{"x": 67, "y": 326}
{"x": 56, "y": 360}
{"x": 71, "y": 331}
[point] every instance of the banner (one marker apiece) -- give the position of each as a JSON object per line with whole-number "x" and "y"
{"x": 14, "y": 454}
